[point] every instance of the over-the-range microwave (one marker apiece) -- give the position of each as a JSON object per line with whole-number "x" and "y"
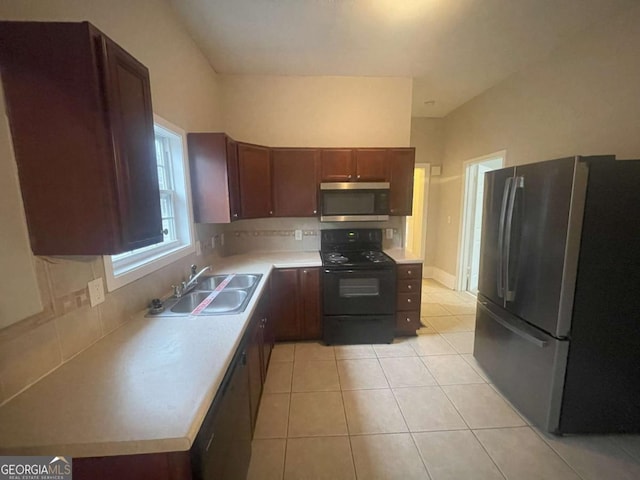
{"x": 354, "y": 201}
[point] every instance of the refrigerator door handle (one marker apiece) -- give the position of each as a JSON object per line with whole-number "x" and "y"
{"x": 538, "y": 342}
{"x": 518, "y": 183}
{"x": 501, "y": 224}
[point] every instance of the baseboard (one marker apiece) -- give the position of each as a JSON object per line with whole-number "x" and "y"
{"x": 440, "y": 275}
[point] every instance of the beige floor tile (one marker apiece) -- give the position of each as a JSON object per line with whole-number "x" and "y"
{"x": 279, "y": 377}
{"x": 315, "y": 376}
{"x": 428, "y": 409}
{"x": 461, "y": 308}
{"x": 317, "y": 414}
{"x": 406, "y": 372}
{"x": 401, "y": 347}
{"x": 444, "y": 297}
{"x": 452, "y": 323}
{"x": 451, "y": 370}
{"x": 426, "y": 328}
{"x": 343, "y": 352}
{"x": 273, "y": 416}
{"x": 429, "y": 285}
{"x": 630, "y": 444}
{"x": 522, "y": 455}
{"x": 283, "y": 352}
{"x": 372, "y": 411}
{"x": 471, "y": 360}
{"x": 508, "y": 402}
{"x": 432, "y": 344}
{"x": 387, "y": 457}
{"x": 481, "y": 407}
{"x": 320, "y": 458}
{"x": 455, "y": 456}
{"x": 432, "y": 309}
{"x": 462, "y": 342}
{"x": 594, "y": 457}
{"x": 313, "y": 351}
{"x": 267, "y": 459}
{"x": 361, "y": 374}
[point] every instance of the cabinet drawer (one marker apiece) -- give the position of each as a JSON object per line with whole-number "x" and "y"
{"x": 409, "y": 286}
{"x": 409, "y": 301}
{"x": 407, "y": 322}
{"x": 410, "y": 271}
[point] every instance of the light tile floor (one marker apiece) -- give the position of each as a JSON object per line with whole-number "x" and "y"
{"x": 419, "y": 408}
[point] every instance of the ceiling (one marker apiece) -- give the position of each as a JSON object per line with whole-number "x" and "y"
{"x": 453, "y": 49}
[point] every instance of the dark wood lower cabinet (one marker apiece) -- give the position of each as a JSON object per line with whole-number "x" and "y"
{"x": 296, "y": 312}
{"x": 159, "y": 466}
{"x": 409, "y": 297}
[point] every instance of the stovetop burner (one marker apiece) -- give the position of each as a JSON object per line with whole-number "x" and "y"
{"x": 358, "y": 248}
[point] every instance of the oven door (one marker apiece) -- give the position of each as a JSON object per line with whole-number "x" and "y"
{"x": 359, "y": 292}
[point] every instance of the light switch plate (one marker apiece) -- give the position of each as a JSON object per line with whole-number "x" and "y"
{"x": 298, "y": 234}
{"x": 96, "y": 291}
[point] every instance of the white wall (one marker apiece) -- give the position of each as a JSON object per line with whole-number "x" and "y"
{"x": 318, "y": 111}
{"x": 583, "y": 99}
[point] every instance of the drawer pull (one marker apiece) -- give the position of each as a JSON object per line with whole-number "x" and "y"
{"x": 409, "y": 287}
{"x": 408, "y": 320}
{"x": 408, "y": 272}
{"x": 408, "y": 300}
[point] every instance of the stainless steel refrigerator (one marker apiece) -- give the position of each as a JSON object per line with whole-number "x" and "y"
{"x": 558, "y": 312}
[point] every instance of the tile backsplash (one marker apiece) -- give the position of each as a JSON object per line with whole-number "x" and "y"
{"x": 35, "y": 346}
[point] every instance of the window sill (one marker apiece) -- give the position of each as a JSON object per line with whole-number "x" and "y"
{"x": 147, "y": 266}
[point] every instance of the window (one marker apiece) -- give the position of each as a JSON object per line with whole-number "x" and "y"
{"x": 176, "y": 213}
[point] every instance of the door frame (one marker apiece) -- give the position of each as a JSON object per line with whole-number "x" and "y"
{"x": 464, "y": 230}
{"x": 425, "y": 206}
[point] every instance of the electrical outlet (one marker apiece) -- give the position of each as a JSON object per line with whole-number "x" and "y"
{"x": 198, "y": 248}
{"x": 96, "y": 291}
{"x": 298, "y": 234}
{"x": 389, "y": 233}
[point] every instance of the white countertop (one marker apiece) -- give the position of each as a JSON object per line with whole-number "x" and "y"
{"x": 400, "y": 255}
{"x": 144, "y": 388}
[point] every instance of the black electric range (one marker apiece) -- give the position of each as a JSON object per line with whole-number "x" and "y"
{"x": 359, "y": 287}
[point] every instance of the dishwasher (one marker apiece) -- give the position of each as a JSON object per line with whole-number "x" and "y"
{"x": 222, "y": 448}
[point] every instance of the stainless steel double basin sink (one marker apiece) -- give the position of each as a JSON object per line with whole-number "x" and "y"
{"x": 232, "y": 299}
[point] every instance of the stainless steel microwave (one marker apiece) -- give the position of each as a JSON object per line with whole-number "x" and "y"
{"x": 354, "y": 201}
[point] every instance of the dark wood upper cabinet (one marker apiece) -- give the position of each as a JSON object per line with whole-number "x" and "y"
{"x": 295, "y": 180}
{"x": 372, "y": 165}
{"x": 81, "y": 121}
{"x": 254, "y": 172}
{"x": 401, "y": 167}
{"x": 337, "y": 165}
{"x": 213, "y": 162}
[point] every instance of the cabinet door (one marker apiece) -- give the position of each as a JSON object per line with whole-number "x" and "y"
{"x": 295, "y": 181}
{"x": 372, "y": 165}
{"x": 254, "y": 365}
{"x": 233, "y": 181}
{"x": 268, "y": 333}
{"x": 337, "y": 165}
{"x": 285, "y": 306}
{"x": 128, "y": 94}
{"x": 210, "y": 171}
{"x": 254, "y": 169}
{"x": 310, "y": 292}
{"x": 402, "y": 163}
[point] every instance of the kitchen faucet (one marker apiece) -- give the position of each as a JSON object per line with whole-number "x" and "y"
{"x": 185, "y": 287}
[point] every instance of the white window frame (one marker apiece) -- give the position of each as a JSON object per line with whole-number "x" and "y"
{"x": 150, "y": 259}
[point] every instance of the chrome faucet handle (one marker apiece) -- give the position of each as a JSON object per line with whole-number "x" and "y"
{"x": 194, "y": 270}
{"x": 178, "y": 289}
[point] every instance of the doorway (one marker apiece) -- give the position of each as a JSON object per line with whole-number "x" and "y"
{"x": 416, "y": 223}
{"x": 469, "y": 258}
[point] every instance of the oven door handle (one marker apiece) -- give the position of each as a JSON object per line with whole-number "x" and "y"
{"x": 363, "y": 271}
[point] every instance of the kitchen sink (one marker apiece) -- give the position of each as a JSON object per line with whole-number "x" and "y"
{"x": 240, "y": 281}
{"x": 232, "y": 299}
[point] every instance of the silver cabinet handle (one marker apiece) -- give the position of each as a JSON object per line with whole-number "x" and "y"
{"x": 409, "y": 287}
{"x": 408, "y": 320}
{"x": 235, "y": 215}
{"x": 408, "y": 300}
{"x": 315, "y": 211}
{"x": 358, "y": 177}
{"x": 408, "y": 272}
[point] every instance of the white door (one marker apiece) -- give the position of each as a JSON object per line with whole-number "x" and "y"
{"x": 472, "y": 218}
